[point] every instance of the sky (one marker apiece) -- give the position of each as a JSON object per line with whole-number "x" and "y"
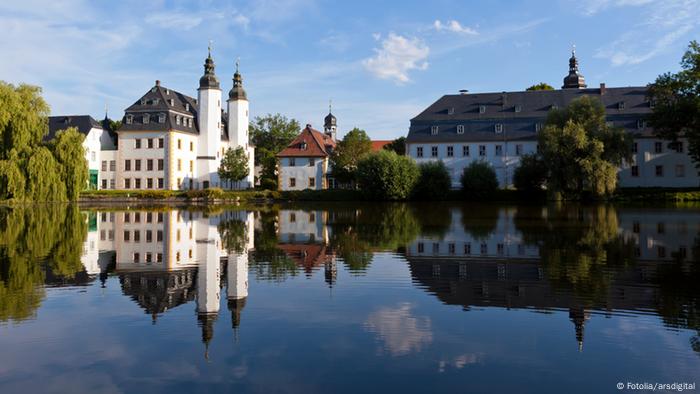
{"x": 379, "y": 63}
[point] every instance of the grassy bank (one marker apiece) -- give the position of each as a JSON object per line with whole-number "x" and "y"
{"x": 653, "y": 194}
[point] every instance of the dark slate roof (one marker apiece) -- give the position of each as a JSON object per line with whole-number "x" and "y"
{"x": 84, "y": 123}
{"x": 519, "y": 112}
{"x": 156, "y": 101}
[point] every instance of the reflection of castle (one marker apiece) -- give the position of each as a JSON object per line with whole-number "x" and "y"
{"x": 167, "y": 258}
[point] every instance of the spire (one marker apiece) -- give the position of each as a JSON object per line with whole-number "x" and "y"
{"x": 237, "y": 92}
{"x": 329, "y": 121}
{"x": 574, "y": 80}
{"x": 209, "y": 79}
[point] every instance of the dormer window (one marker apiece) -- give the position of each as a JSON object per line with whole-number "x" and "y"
{"x": 621, "y": 105}
{"x": 652, "y": 103}
{"x": 155, "y": 101}
{"x": 161, "y": 118}
{"x": 451, "y": 110}
{"x": 482, "y": 109}
{"x": 129, "y": 119}
{"x": 518, "y": 108}
{"x": 303, "y": 146}
{"x": 434, "y": 130}
{"x": 172, "y": 102}
{"x": 146, "y": 118}
{"x": 460, "y": 129}
{"x": 143, "y": 101}
{"x": 187, "y": 106}
{"x": 167, "y": 91}
{"x": 538, "y": 127}
{"x": 641, "y": 124}
{"x": 498, "y": 128}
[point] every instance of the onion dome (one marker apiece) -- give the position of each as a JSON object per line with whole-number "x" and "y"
{"x": 237, "y": 92}
{"x": 209, "y": 79}
{"x": 574, "y": 80}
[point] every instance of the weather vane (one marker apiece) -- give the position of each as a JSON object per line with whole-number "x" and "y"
{"x": 330, "y": 102}
{"x": 238, "y": 61}
{"x": 209, "y": 47}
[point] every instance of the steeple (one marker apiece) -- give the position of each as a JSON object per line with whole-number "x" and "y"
{"x": 209, "y": 79}
{"x": 330, "y": 122}
{"x": 237, "y": 92}
{"x": 574, "y": 80}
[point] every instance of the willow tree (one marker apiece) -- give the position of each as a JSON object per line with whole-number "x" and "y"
{"x": 23, "y": 118}
{"x": 43, "y": 174}
{"x": 69, "y": 152}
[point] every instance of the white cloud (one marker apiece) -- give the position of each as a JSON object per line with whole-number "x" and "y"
{"x": 453, "y": 26}
{"x": 401, "y": 332}
{"x": 397, "y": 56}
{"x": 663, "y": 24}
{"x": 592, "y": 7}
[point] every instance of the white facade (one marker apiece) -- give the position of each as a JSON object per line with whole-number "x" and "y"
{"x": 300, "y": 173}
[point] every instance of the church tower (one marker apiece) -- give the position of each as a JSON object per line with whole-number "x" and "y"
{"x": 238, "y": 123}
{"x": 330, "y": 125}
{"x": 574, "y": 80}
{"x": 209, "y": 116}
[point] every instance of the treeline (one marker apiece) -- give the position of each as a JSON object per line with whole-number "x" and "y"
{"x": 32, "y": 169}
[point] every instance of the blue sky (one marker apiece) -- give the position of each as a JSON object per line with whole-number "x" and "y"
{"x": 381, "y": 63}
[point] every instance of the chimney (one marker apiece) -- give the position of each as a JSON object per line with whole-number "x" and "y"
{"x": 157, "y": 82}
{"x": 463, "y": 91}
{"x": 308, "y": 126}
{"x": 602, "y": 88}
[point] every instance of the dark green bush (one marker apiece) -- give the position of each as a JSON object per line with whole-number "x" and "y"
{"x": 531, "y": 174}
{"x": 434, "y": 182}
{"x": 384, "y": 175}
{"x": 479, "y": 181}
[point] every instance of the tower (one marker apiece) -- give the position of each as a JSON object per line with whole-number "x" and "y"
{"x": 208, "y": 278}
{"x": 330, "y": 123}
{"x": 238, "y": 122}
{"x": 574, "y": 80}
{"x": 209, "y": 116}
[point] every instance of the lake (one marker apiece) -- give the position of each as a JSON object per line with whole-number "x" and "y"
{"x": 319, "y": 298}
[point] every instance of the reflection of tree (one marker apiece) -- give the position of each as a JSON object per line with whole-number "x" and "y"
{"x": 434, "y": 219}
{"x": 29, "y": 237}
{"x": 233, "y": 235}
{"x": 577, "y": 246}
{"x": 480, "y": 220}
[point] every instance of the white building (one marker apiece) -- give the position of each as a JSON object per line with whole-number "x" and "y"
{"x": 169, "y": 140}
{"x": 501, "y": 127}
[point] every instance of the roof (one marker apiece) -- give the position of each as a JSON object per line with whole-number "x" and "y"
{"x": 519, "y": 112}
{"x": 309, "y": 143}
{"x": 309, "y": 255}
{"x": 380, "y": 144}
{"x": 161, "y": 100}
{"x": 84, "y": 123}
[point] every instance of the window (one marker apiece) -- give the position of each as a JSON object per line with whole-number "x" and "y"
{"x": 652, "y": 104}
{"x": 292, "y": 162}
{"x": 518, "y": 108}
{"x": 160, "y": 183}
{"x": 451, "y": 110}
{"x": 104, "y": 165}
{"x": 450, "y": 151}
{"x": 635, "y": 147}
{"x": 292, "y": 182}
{"x": 150, "y": 143}
{"x": 104, "y": 183}
{"x": 129, "y": 119}
{"x": 658, "y": 147}
{"x": 498, "y": 128}
{"x": 292, "y": 217}
{"x": 161, "y": 143}
{"x": 680, "y": 170}
{"x": 137, "y": 165}
{"x": 111, "y": 184}
{"x": 93, "y": 156}
{"x": 149, "y": 183}
{"x": 482, "y": 109}
{"x": 451, "y": 248}
{"x": 179, "y": 164}
{"x": 177, "y": 119}
{"x": 179, "y": 144}
{"x": 160, "y": 164}
{"x": 635, "y": 227}
{"x": 434, "y": 130}
{"x": 137, "y": 217}
{"x": 419, "y": 151}
{"x": 146, "y": 118}
{"x": 312, "y": 217}
{"x": 641, "y": 124}
{"x": 465, "y": 150}
{"x": 127, "y": 235}
{"x": 421, "y": 247}
{"x": 112, "y": 165}
{"x": 518, "y": 149}
{"x": 554, "y": 106}
{"x": 467, "y": 248}
{"x": 137, "y": 143}
{"x": 312, "y": 182}
{"x": 678, "y": 146}
{"x": 127, "y": 217}
{"x": 661, "y": 252}
{"x": 499, "y": 150}
{"x": 137, "y": 236}
{"x": 137, "y": 183}
{"x": 460, "y": 129}
{"x": 659, "y": 170}
{"x": 191, "y": 146}
{"x": 621, "y": 105}
{"x": 136, "y": 257}
{"x": 127, "y": 165}
{"x": 312, "y": 162}
{"x": 149, "y": 165}
{"x": 482, "y": 150}
{"x": 161, "y": 118}
{"x": 634, "y": 171}
{"x": 191, "y": 165}
{"x": 484, "y": 248}
{"x": 179, "y": 183}
{"x": 434, "y": 151}
{"x": 538, "y": 127}
{"x": 500, "y": 248}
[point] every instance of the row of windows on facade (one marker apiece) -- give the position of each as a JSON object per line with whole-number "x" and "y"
{"x": 137, "y": 164}
{"x": 151, "y": 183}
{"x": 519, "y": 108}
{"x": 659, "y": 147}
{"x": 156, "y": 101}
{"x": 150, "y": 144}
{"x": 146, "y": 119}
{"x": 109, "y": 217}
{"x": 450, "y": 151}
{"x": 681, "y": 227}
{"x": 293, "y": 182}
{"x": 293, "y": 161}
{"x": 498, "y": 128}
{"x": 293, "y": 216}
{"x": 159, "y": 257}
{"x": 659, "y": 171}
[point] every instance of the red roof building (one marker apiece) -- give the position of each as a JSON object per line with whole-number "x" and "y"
{"x": 379, "y": 145}
{"x": 304, "y": 163}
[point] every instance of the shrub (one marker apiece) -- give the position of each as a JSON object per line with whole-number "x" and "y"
{"x": 384, "y": 175}
{"x": 434, "y": 182}
{"x": 531, "y": 175}
{"x": 213, "y": 193}
{"x": 479, "y": 181}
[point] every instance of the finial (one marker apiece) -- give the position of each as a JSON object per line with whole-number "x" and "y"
{"x": 106, "y": 111}
{"x": 238, "y": 61}
{"x": 330, "y": 104}
{"x": 209, "y": 47}
{"x": 573, "y": 49}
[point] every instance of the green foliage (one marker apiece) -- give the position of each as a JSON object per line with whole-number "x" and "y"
{"x": 234, "y": 165}
{"x": 270, "y": 135}
{"x": 114, "y": 125}
{"x": 23, "y": 118}
{"x": 581, "y": 151}
{"x": 434, "y": 182}
{"x": 347, "y": 155}
{"x": 677, "y": 103}
{"x": 68, "y": 150}
{"x": 12, "y": 182}
{"x": 213, "y": 193}
{"x": 384, "y": 175}
{"x": 541, "y": 86}
{"x": 44, "y": 177}
{"x": 531, "y": 174}
{"x": 233, "y": 235}
{"x": 479, "y": 181}
{"x": 398, "y": 145}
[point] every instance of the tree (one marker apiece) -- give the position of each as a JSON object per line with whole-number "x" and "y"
{"x": 541, "y": 86}
{"x": 347, "y": 154}
{"x": 384, "y": 175}
{"x": 114, "y": 125}
{"x": 398, "y": 145}
{"x": 23, "y": 118}
{"x": 531, "y": 174}
{"x": 68, "y": 150}
{"x": 271, "y": 134}
{"x": 676, "y": 99}
{"x": 434, "y": 182}
{"x": 479, "y": 181}
{"x": 581, "y": 151}
{"x": 234, "y": 165}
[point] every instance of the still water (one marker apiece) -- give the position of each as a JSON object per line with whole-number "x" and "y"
{"x": 348, "y": 298}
